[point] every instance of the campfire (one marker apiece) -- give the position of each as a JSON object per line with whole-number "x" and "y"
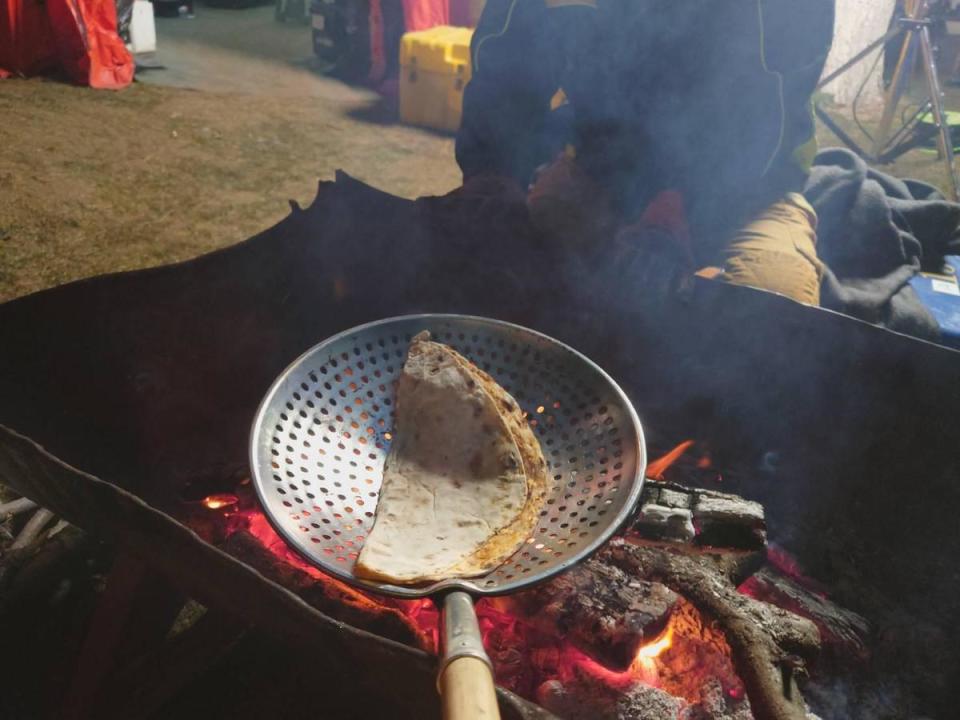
{"x": 645, "y": 629}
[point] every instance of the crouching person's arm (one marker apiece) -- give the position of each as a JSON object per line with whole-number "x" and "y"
{"x": 515, "y": 72}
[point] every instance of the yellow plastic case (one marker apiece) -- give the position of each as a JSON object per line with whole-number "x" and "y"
{"x": 434, "y": 69}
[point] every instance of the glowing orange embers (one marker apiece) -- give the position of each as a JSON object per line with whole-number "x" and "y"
{"x": 688, "y": 658}
{"x": 220, "y": 501}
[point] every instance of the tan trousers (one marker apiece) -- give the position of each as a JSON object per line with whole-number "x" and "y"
{"x": 777, "y": 251}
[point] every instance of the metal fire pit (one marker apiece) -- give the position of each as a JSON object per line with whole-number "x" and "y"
{"x": 144, "y": 381}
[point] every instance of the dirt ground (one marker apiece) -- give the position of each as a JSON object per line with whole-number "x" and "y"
{"x": 200, "y": 154}
{"x": 97, "y": 181}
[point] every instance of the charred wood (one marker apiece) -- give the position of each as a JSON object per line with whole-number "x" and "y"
{"x": 843, "y": 633}
{"x": 604, "y": 611}
{"x": 32, "y": 529}
{"x": 768, "y": 644}
{"x": 59, "y": 527}
{"x": 662, "y": 522}
{"x": 669, "y": 511}
{"x": 586, "y": 698}
{"x": 400, "y": 676}
{"x": 15, "y": 507}
{"x": 725, "y": 520}
{"x": 33, "y": 572}
{"x": 666, "y": 513}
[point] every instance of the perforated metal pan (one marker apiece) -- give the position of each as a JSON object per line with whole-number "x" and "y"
{"x": 323, "y": 431}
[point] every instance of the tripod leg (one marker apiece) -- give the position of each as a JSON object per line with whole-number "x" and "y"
{"x": 879, "y": 43}
{"x": 939, "y": 117}
{"x": 901, "y": 76}
{"x": 842, "y": 134}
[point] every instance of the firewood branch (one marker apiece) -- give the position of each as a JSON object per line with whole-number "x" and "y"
{"x": 15, "y": 507}
{"x": 768, "y": 644}
{"x": 32, "y": 529}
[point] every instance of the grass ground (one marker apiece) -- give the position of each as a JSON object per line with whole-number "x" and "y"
{"x": 95, "y": 182}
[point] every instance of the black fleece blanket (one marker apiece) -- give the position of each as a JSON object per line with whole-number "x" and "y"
{"x": 875, "y": 233}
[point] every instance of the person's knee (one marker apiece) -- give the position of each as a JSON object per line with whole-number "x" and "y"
{"x": 777, "y": 252}
{"x": 787, "y": 274}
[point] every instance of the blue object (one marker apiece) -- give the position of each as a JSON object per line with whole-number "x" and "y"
{"x": 941, "y": 296}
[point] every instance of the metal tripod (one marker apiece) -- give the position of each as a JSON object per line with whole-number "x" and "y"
{"x": 888, "y": 146}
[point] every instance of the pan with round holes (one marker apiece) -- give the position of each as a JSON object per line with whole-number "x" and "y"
{"x": 323, "y": 431}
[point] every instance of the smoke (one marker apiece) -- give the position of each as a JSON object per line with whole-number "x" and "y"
{"x": 704, "y": 97}
{"x": 843, "y": 699}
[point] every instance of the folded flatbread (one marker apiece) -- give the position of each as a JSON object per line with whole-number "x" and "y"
{"x": 465, "y": 479}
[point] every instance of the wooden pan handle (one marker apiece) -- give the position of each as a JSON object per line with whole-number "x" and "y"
{"x": 466, "y": 675}
{"x": 467, "y": 690}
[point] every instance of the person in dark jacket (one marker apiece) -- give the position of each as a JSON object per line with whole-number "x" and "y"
{"x": 707, "y": 99}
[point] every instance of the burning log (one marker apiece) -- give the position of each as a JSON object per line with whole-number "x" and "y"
{"x": 327, "y": 595}
{"x": 662, "y": 521}
{"x": 587, "y": 698}
{"x": 843, "y": 632}
{"x": 601, "y": 609}
{"x": 672, "y": 512}
{"x": 698, "y": 667}
{"x": 768, "y": 644}
{"x": 724, "y": 520}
